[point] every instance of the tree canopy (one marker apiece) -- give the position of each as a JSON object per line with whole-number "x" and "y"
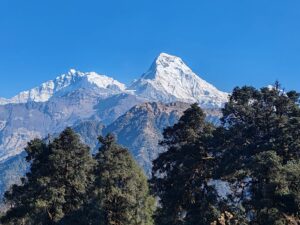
{"x": 56, "y": 184}
{"x": 181, "y": 174}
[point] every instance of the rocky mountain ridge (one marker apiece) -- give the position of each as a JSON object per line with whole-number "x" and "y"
{"x": 168, "y": 79}
{"x": 95, "y": 104}
{"x": 66, "y": 83}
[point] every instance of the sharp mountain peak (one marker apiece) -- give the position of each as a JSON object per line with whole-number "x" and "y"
{"x": 169, "y": 79}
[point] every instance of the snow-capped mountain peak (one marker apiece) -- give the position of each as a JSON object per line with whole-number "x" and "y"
{"x": 166, "y": 63}
{"x": 68, "y": 82}
{"x": 170, "y": 79}
{"x": 77, "y": 77}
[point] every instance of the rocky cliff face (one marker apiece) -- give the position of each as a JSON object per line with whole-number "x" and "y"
{"x": 25, "y": 121}
{"x": 140, "y": 129}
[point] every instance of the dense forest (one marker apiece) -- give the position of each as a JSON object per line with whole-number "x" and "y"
{"x": 245, "y": 170}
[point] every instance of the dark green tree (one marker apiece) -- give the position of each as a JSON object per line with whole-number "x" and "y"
{"x": 259, "y": 142}
{"x": 181, "y": 175}
{"x": 260, "y": 120}
{"x": 71, "y": 167}
{"x": 22, "y": 198}
{"x": 121, "y": 192}
{"x": 56, "y": 185}
{"x": 275, "y": 191}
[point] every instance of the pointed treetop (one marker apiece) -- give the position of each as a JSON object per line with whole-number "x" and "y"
{"x": 107, "y": 140}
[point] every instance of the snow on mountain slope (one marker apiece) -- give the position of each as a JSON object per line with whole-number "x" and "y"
{"x": 77, "y": 97}
{"x": 169, "y": 79}
{"x": 66, "y": 83}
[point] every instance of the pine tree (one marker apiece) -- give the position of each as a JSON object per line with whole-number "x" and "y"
{"x": 56, "y": 185}
{"x": 70, "y": 166}
{"x": 261, "y": 120}
{"x": 22, "y": 198}
{"x": 275, "y": 189}
{"x": 260, "y": 143}
{"x": 121, "y": 188}
{"x": 181, "y": 174}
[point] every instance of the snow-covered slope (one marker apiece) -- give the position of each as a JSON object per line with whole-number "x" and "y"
{"x": 169, "y": 79}
{"x": 66, "y": 83}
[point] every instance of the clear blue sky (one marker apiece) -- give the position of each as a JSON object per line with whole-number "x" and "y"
{"x": 227, "y": 42}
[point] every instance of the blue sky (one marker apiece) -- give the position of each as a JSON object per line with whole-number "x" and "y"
{"x": 228, "y": 43}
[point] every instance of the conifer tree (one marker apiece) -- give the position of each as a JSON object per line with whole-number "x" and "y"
{"x": 56, "y": 185}
{"x": 260, "y": 141}
{"x": 181, "y": 174}
{"x": 121, "y": 188}
{"x": 22, "y": 198}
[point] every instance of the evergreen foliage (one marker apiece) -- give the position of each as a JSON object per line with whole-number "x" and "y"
{"x": 121, "y": 188}
{"x": 120, "y": 194}
{"x": 56, "y": 184}
{"x": 181, "y": 174}
{"x": 260, "y": 141}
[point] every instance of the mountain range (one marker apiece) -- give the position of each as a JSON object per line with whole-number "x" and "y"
{"x": 95, "y": 104}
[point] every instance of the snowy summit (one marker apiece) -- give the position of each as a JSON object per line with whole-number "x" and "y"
{"x": 170, "y": 79}
{"x": 66, "y": 83}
